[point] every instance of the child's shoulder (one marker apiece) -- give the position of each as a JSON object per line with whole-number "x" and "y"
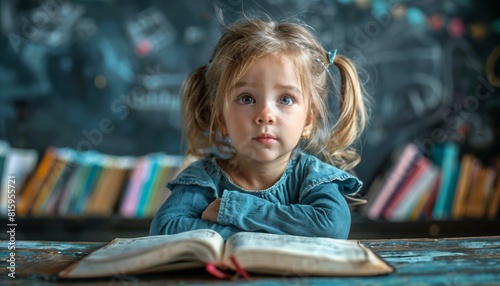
{"x": 315, "y": 172}
{"x": 312, "y": 163}
{"x": 198, "y": 172}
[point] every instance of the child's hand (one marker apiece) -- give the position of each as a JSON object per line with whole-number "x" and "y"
{"x": 212, "y": 211}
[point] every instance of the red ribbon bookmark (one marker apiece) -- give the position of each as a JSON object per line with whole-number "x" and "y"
{"x": 217, "y": 270}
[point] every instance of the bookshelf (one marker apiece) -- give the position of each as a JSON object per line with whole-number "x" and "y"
{"x": 63, "y": 182}
{"x": 441, "y": 184}
{"x": 62, "y": 195}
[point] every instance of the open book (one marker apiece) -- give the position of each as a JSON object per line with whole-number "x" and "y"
{"x": 254, "y": 252}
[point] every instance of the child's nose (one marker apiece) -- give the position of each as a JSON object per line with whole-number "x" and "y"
{"x": 265, "y": 115}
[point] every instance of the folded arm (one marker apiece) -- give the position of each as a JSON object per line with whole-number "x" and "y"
{"x": 323, "y": 212}
{"x": 182, "y": 212}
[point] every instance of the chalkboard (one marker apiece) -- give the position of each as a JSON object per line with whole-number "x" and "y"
{"x": 105, "y": 75}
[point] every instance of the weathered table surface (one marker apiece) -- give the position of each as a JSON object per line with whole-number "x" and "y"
{"x": 452, "y": 261}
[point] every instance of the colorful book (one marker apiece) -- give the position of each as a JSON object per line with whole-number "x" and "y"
{"x": 176, "y": 165}
{"x": 76, "y": 184}
{"x": 134, "y": 188}
{"x": 422, "y": 188}
{"x": 158, "y": 181}
{"x": 396, "y": 176}
{"x": 149, "y": 182}
{"x": 95, "y": 165}
{"x": 101, "y": 182}
{"x": 423, "y": 200}
{"x": 446, "y": 157}
{"x": 19, "y": 164}
{"x": 110, "y": 186}
{"x": 48, "y": 186}
{"x": 33, "y": 184}
{"x": 161, "y": 192}
{"x": 420, "y": 179}
{"x": 467, "y": 171}
{"x": 50, "y": 207}
{"x": 477, "y": 202}
{"x": 426, "y": 212}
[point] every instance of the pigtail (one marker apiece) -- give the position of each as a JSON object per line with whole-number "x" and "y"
{"x": 196, "y": 111}
{"x": 351, "y": 117}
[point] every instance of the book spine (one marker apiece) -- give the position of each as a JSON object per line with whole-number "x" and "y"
{"x": 33, "y": 185}
{"x": 147, "y": 190}
{"x": 420, "y": 189}
{"x": 135, "y": 185}
{"x": 48, "y": 186}
{"x": 449, "y": 165}
{"x": 466, "y": 173}
{"x": 95, "y": 169}
{"x": 415, "y": 175}
{"x": 395, "y": 177}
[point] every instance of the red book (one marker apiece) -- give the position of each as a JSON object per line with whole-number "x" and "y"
{"x": 415, "y": 174}
{"x": 429, "y": 205}
{"x": 396, "y": 176}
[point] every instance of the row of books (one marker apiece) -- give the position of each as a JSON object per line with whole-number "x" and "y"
{"x": 65, "y": 182}
{"x": 444, "y": 185}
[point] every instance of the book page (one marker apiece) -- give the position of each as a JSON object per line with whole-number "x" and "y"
{"x": 124, "y": 247}
{"x": 147, "y": 254}
{"x": 336, "y": 249}
{"x": 297, "y": 255}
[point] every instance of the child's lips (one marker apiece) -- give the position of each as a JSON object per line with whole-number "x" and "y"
{"x": 265, "y": 139}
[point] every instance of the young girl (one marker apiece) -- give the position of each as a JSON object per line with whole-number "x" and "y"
{"x": 261, "y": 102}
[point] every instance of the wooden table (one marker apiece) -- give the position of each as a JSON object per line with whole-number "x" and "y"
{"x": 453, "y": 261}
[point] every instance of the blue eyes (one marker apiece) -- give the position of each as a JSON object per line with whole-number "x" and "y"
{"x": 248, "y": 99}
{"x": 286, "y": 100}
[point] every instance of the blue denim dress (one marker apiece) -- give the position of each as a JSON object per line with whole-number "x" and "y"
{"x": 307, "y": 200}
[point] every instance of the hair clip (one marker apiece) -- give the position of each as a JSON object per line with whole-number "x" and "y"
{"x": 331, "y": 58}
{"x": 331, "y": 55}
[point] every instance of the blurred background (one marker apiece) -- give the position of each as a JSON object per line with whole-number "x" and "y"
{"x": 67, "y": 67}
{"x": 104, "y": 75}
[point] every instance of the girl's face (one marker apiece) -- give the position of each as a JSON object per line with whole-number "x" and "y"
{"x": 266, "y": 111}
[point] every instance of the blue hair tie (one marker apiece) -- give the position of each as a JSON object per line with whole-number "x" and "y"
{"x": 331, "y": 55}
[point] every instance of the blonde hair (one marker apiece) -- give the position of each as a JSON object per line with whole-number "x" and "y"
{"x": 243, "y": 43}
